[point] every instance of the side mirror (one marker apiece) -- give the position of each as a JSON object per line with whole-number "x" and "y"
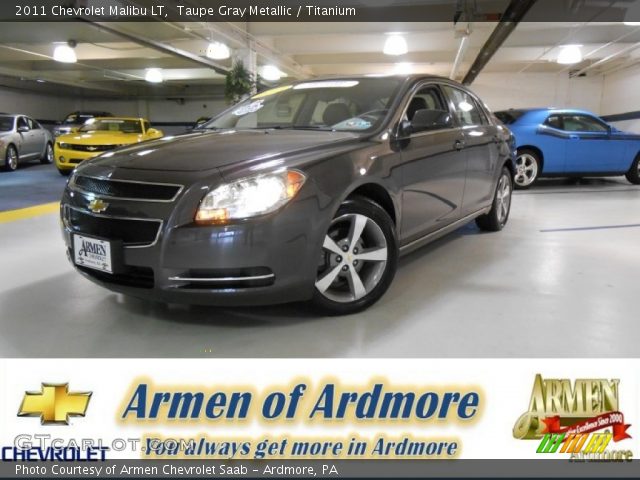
{"x": 23, "y": 129}
{"x": 425, "y": 119}
{"x": 154, "y": 132}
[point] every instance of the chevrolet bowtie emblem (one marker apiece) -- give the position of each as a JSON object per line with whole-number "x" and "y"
{"x": 54, "y": 404}
{"x": 92, "y": 149}
{"x": 97, "y": 206}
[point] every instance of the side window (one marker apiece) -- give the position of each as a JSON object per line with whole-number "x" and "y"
{"x": 554, "y": 121}
{"x": 582, "y": 123}
{"x": 33, "y": 125}
{"x": 22, "y": 122}
{"x": 427, "y": 98}
{"x": 466, "y": 109}
{"x": 147, "y": 126}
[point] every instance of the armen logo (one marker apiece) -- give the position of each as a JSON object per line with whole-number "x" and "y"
{"x": 97, "y": 205}
{"x": 580, "y": 419}
{"x": 54, "y": 404}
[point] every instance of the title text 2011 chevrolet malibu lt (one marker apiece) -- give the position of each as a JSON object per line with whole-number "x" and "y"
{"x": 308, "y": 191}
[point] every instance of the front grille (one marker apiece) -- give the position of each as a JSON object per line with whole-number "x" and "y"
{"x": 140, "y": 277}
{"x": 130, "y": 190}
{"x": 75, "y": 160}
{"x": 131, "y": 232}
{"x": 89, "y": 148}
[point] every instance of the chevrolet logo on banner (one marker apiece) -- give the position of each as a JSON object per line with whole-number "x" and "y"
{"x": 54, "y": 404}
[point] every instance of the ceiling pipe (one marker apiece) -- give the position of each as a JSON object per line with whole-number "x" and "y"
{"x": 515, "y": 12}
{"x": 606, "y": 59}
{"x": 159, "y": 46}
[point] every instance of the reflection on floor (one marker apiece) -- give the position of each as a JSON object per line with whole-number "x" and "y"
{"x": 538, "y": 289}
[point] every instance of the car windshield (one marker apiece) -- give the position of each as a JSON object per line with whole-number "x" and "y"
{"x": 6, "y": 124}
{"x": 112, "y": 125}
{"x": 345, "y": 105}
{"x": 509, "y": 117}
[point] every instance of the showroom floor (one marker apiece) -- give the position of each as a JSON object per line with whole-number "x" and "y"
{"x": 561, "y": 280}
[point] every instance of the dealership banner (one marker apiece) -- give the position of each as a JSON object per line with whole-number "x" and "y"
{"x": 315, "y": 11}
{"x": 258, "y": 418}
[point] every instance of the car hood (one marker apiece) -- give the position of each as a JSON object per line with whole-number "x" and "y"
{"x": 101, "y": 138}
{"x": 208, "y": 150}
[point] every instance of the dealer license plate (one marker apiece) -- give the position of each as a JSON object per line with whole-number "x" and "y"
{"x": 92, "y": 253}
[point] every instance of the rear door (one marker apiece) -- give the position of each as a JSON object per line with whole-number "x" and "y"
{"x": 39, "y": 135}
{"x": 433, "y": 169}
{"x": 481, "y": 147}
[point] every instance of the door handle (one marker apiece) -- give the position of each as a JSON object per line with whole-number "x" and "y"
{"x": 574, "y": 137}
{"x": 458, "y": 145}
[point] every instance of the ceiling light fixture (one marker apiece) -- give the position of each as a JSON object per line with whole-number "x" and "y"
{"x": 570, "y": 54}
{"x": 395, "y": 45}
{"x": 65, "y": 53}
{"x": 271, "y": 73}
{"x": 154, "y": 75}
{"x": 218, "y": 51}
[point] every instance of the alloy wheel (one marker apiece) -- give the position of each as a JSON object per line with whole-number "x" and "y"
{"x": 49, "y": 153}
{"x": 354, "y": 257}
{"x": 12, "y": 158}
{"x": 503, "y": 198}
{"x": 526, "y": 169}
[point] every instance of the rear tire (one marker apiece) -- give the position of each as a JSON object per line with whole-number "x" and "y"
{"x": 47, "y": 158}
{"x": 528, "y": 168}
{"x": 358, "y": 260}
{"x": 633, "y": 175}
{"x": 497, "y": 218}
{"x": 11, "y": 159}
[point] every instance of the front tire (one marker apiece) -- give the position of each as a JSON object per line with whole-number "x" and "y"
{"x": 497, "y": 218}
{"x": 528, "y": 168}
{"x": 358, "y": 260}
{"x": 633, "y": 175}
{"x": 47, "y": 158}
{"x": 11, "y": 159}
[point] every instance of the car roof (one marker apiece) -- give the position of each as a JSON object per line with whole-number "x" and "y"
{"x": 547, "y": 110}
{"x": 135, "y": 119}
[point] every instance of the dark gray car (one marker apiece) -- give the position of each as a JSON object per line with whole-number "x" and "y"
{"x": 308, "y": 191}
{"x": 22, "y": 139}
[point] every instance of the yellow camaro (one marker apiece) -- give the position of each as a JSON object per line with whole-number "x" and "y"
{"x": 99, "y": 135}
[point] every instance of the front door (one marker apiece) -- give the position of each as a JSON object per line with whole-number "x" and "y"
{"x": 433, "y": 170}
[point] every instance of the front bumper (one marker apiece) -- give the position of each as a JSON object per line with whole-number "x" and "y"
{"x": 69, "y": 159}
{"x": 268, "y": 260}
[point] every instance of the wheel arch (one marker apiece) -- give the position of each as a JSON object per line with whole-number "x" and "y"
{"x": 378, "y": 194}
{"x": 538, "y": 152}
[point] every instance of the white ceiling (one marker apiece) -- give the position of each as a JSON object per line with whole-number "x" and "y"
{"x": 112, "y": 62}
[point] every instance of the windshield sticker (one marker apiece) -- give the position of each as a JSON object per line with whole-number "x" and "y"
{"x": 327, "y": 84}
{"x": 352, "y": 124}
{"x": 271, "y": 91}
{"x": 249, "y": 108}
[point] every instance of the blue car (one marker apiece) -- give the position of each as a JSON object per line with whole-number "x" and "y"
{"x": 569, "y": 143}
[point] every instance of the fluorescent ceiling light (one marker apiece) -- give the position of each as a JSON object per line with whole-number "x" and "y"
{"x": 218, "y": 51}
{"x": 154, "y": 75}
{"x": 403, "y": 68}
{"x": 271, "y": 73}
{"x": 570, "y": 54}
{"x": 64, "y": 54}
{"x": 395, "y": 45}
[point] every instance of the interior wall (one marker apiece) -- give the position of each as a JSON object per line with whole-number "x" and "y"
{"x": 621, "y": 95}
{"x": 526, "y": 90}
{"x": 35, "y": 105}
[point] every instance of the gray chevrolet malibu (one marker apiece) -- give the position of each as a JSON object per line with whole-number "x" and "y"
{"x": 308, "y": 191}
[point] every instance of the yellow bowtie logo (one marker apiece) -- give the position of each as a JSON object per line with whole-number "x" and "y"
{"x": 54, "y": 404}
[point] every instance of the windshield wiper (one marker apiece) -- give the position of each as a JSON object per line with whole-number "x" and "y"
{"x": 294, "y": 127}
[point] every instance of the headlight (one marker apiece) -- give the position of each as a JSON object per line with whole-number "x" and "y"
{"x": 63, "y": 145}
{"x": 249, "y": 197}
